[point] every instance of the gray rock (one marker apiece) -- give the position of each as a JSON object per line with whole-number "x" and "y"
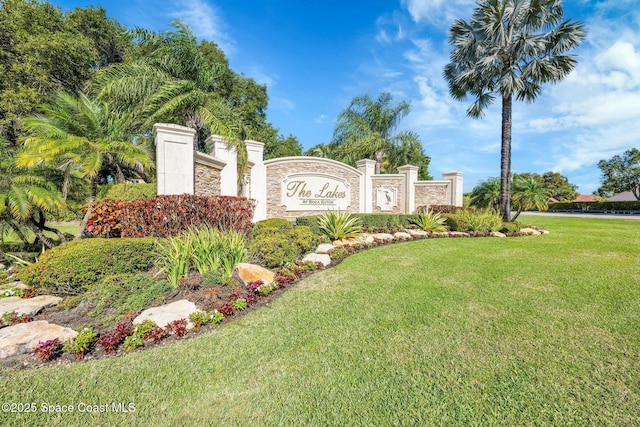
{"x": 323, "y": 258}
{"x": 323, "y": 248}
{"x": 31, "y": 306}
{"x": 23, "y": 337}
{"x": 167, "y": 313}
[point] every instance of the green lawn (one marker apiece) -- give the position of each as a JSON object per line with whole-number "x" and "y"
{"x": 521, "y": 331}
{"x": 10, "y": 237}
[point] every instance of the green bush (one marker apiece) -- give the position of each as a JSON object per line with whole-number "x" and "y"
{"x": 281, "y": 223}
{"x": 384, "y": 220}
{"x": 510, "y": 227}
{"x": 309, "y": 221}
{"x": 594, "y": 206}
{"x": 127, "y": 191}
{"x": 273, "y": 247}
{"x": 73, "y": 267}
{"x": 120, "y": 293}
{"x": 474, "y": 221}
{"x": 429, "y": 221}
{"x": 338, "y": 225}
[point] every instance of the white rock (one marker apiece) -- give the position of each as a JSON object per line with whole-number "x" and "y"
{"x": 23, "y": 337}
{"x": 402, "y": 235}
{"x": 383, "y": 236}
{"x": 497, "y": 234}
{"x": 530, "y": 231}
{"x": 30, "y": 306}
{"x": 365, "y": 238}
{"x": 458, "y": 234}
{"x": 416, "y": 232}
{"x": 323, "y": 248}
{"x": 167, "y": 313}
{"x": 323, "y": 258}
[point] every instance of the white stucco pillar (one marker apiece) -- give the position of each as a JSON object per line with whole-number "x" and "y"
{"x": 229, "y": 174}
{"x": 368, "y": 169}
{"x": 258, "y": 188}
{"x": 410, "y": 173}
{"x": 174, "y": 158}
{"x": 456, "y": 186}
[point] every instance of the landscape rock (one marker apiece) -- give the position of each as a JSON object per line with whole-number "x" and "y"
{"x": 323, "y": 248}
{"x": 497, "y": 234}
{"x": 167, "y": 313}
{"x": 31, "y": 306}
{"x": 23, "y": 337}
{"x": 383, "y": 236}
{"x": 530, "y": 231}
{"x": 323, "y": 258}
{"x": 458, "y": 234}
{"x": 246, "y": 273}
{"x": 416, "y": 232}
{"x": 402, "y": 235}
{"x": 365, "y": 238}
{"x": 345, "y": 242}
{"x": 543, "y": 231}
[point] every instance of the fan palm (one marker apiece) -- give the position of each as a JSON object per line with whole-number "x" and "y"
{"x": 510, "y": 48}
{"x": 365, "y": 129}
{"x": 529, "y": 193}
{"x": 81, "y": 136}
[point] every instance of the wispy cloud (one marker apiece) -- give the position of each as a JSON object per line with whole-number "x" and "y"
{"x": 205, "y": 21}
{"x": 439, "y": 13}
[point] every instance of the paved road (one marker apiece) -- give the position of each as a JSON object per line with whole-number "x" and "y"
{"x": 577, "y": 215}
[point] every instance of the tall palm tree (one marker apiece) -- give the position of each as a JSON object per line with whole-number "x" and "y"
{"x": 528, "y": 193}
{"x": 172, "y": 81}
{"x": 365, "y": 129}
{"x": 81, "y": 136}
{"x": 486, "y": 194}
{"x": 510, "y": 48}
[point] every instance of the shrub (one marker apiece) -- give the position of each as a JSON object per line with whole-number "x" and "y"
{"x": 280, "y": 223}
{"x": 82, "y": 343}
{"x": 73, "y": 267}
{"x": 174, "y": 255}
{"x": 309, "y": 221}
{"x": 474, "y": 221}
{"x": 131, "y": 342}
{"x": 127, "y": 191}
{"x": 443, "y": 209}
{"x": 384, "y": 220}
{"x": 510, "y": 227}
{"x": 338, "y": 225}
{"x": 429, "y": 221}
{"x": 169, "y": 215}
{"x": 47, "y": 350}
{"x": 112, "y": 340}
{"x": 273, "y": 247}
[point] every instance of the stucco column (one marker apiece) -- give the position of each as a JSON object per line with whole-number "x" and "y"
{"x": 229, "y": 174}
{"x": 456, "y": 186}
{"x": 368, "y": 169}
{"x": 174, "y": 158}
{"x": 410, "y": 177}
{"x": 258, "y": 189}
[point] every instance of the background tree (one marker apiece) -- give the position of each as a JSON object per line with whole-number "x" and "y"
{"x": 486, "y": 194}
{"x": 559, "y": 186}
{"x": 81, "y": 136}
{"x": 509, "y": 48}
{"x": 282, "y": 147}
{"x": 621, "y": 173}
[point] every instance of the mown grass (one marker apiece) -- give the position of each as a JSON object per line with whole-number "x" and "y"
{"x": 524, "y": 331}
{"x": 9, "y": 235}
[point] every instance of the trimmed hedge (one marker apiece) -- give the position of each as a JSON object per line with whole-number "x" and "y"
{"x": 275, "y": 246}
{"x": 169, "y": 215}
{"x": 594, "y": 206}
{"x": 73, "y": 267}
{"x": 366, "y": 220}
{"x": 444, "y": 209}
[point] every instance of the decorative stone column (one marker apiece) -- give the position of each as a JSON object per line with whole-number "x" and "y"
{"x": 410, "y": 177}
{"x": 258, "y": 188}
{"x": 455, "y": 187}
{"x": 368, "y": 169}
{"x": 174, "y": 158}
{"x": 226, "y": 153}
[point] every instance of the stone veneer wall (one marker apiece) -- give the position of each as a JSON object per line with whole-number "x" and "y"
{"x": 278, "y": 169}
{"x": 395, "y": 181}
{"x": 207, "y": 180}
{"x": 430, "y": 193}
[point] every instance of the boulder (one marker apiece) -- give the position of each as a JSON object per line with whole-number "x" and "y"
{"x": 346, "y": 242}
{"x": 323, "y": 258}
{"x": 458, "y": 234}
{"x": 23, "y": 337}
{"x": 402, "y": 235}
{"x": 416, "y": 232}
{"x": 382, "y": 236}
{"x": 323, "y": 248}
{"x": 246, "y": 273}
{"x": 497, "y": 234}
{"x": 365, "y": 238}
{"x": 31, "y": 306}
{"x": 530, "y": 231}
{"x": 167, "y": 313}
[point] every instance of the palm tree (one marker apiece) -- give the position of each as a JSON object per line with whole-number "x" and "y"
{"x": 25, "y": 197}
{"x": 365, "y": 129}
{"x": 81, "y": 136}
{"x": 528, "y": 193}
{"x": 171, "y": 81}
{"x": 510, "y": 48}
{"x": 486, "y": 194}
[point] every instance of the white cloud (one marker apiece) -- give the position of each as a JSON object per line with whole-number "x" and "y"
{"x": 322, "y": 118}
{"x": 205, "y": 21}
{"x": 440, "y": 13}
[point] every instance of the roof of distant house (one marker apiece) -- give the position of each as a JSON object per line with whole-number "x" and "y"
{"x": 585, "y": 198}
{"x": 625, "y": 196}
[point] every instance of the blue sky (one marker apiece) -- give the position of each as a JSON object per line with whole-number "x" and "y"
{"x": 315, "y": 56}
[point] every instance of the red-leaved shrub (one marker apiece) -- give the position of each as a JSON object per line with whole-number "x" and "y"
{"x": 168, "y": 215}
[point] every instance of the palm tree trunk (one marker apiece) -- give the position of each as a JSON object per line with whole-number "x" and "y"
{"x": 505, "y": 159}
{"x": 92, "y": 198}
{"x": 39, "y": 233}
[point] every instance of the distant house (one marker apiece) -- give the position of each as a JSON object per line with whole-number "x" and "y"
{"x": 585, "y": 198}
{"x": 625, "y": 196}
